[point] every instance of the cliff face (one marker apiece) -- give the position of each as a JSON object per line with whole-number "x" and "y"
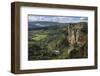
{"x": 78, "y": 40}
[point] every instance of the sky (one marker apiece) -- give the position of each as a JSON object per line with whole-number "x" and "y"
{"x": 60, "y": 19}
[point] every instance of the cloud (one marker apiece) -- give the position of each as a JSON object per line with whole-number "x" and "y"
{"x": 83, "y": 19}
{"x": 61, "y": 19}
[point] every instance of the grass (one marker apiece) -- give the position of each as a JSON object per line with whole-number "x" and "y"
{"x": 38, "y": 37}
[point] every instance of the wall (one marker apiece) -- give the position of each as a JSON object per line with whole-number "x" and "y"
{"x": 5, "y": 33}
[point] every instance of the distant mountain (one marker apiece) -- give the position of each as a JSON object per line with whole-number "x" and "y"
{"x": 45, "y": 24}
{"x": 39, "y": 24}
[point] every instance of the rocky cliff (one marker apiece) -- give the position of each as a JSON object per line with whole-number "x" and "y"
{"x": 78, "y": 40}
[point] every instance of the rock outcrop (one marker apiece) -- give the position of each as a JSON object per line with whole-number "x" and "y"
{"x": 78, "y": 40}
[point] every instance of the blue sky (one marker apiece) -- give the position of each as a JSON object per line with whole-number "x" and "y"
{"x": 61, "y": 19}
